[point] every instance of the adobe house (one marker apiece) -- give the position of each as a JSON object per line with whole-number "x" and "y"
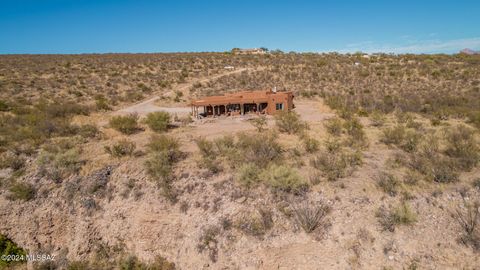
{"x": 245, "y": 102}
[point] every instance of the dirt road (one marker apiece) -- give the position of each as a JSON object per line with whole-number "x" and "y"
{"x": 148, "y": 106}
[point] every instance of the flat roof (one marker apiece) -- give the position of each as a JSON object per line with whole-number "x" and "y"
{"x": 238, "y": 97}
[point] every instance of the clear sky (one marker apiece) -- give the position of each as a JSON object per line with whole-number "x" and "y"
{"x": 68, "y": 26}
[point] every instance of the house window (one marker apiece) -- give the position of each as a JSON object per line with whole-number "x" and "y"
{"x": 279, "y": 106}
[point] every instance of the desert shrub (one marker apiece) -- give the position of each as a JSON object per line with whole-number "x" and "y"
{"x": 259, "y": 123}
{"x": 21, "y": 191}
{"x": 388, "y": 183}
{"x": 161, "y": 143}
{"x": 8, "y": 247}
{"x": 59, "y": 161}
{"x": 101, "y": 104}
{"x": 289, "y": 122}
{"x": 404, "y": 215}
{"x": 311, "y": 145}
{"x": 410, "y": 141}
{"x": 206, "y": 147}
{"x": 400, "y": 215}
{"x": 208, "y": 242}
{"x": 462, "y": 146}
{"x": 121, "y": 148}
{"x": 259, "y": 149}
{"x": 158, "y": 121}
{"x": 283, "y": 178}
{"x": 164, "y": 152}
{"x": 126, "y": 124}
{"x": 378, "y": 119}
{"x": 131, "y": 262}
{"x": 310, "y": 216}
{"x": 4, "y": 107}
{"x": 474, "y": 118}
{"x": 468, "y": 217}
{"x": 257, "y": 223}
{"x": 248, "y": 174}
{"x": 336, "y": 164}
{"x": 476, "y": 183}
{"x": 354, "y": 129}
{"x": 443, "y": 170}
{"x": 393, "y": 135}
{"x": 12, "y": 161}
{"x": 88, "y": 131}
{"x": 334, "y": 126}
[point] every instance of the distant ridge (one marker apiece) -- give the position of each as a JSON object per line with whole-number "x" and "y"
{"x": 469, "y": 51}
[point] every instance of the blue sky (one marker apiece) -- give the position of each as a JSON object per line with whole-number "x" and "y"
{"x": 102, "y": 26}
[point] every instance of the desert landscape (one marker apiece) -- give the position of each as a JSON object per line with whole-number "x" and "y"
{"x": 377, "y": 167}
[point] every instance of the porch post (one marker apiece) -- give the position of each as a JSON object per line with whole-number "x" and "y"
{"x": 241, "y": 109}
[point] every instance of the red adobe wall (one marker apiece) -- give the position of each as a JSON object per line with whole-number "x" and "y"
{"x": 285, "y": 98}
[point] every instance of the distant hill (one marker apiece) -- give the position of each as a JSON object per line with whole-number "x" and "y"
{"x": 469, "y": 51}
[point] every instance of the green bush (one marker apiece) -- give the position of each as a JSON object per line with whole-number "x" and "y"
{"x": 257, "y": 223}
{"x": 334, "y": 126}
{"x": 283, "y": 178}
{"x": 388, "y": 183}
{"x": 260, "y": 149}
{"x": 378, "y": 119}
{"x": 59, "y": 163}
{"x": 289, "y": 122}
{"x": 259, "y": 123}
{"x": 164, "y": 143}
{"x": 22, "y": 191}
{"x": 393, "y": 135}
{"x": 12, "y": 161}
{"x": 462, "y": 146}
{"x": 102, "y": 104}
{"x": 8, "y": 247}
{"x": 164, "y": 152}
{"x": 121, "y": 148}
{"x": 248, "y": 174}
{"x": 126, "y": 124}
{"x": 311, "y": 145}
{"x": 355, "y": 130}
{"x": 400, "y": 215}
{"x": 158, "y": 121}
{"x": 336, "y": 164}
{"x": 88, "y": 131}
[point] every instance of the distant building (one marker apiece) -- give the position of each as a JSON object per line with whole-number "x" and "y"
{"x": 249, "y": 51}
{"x": 245, "y": 102}
{"x": 229, "y": 67}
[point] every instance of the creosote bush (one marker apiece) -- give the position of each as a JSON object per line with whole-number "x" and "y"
{"x": 462, "y": 146}
{"x": 21, "y": 191}
{"x": 259, "y": 123}
{"x": 290, "y": 122}
{"x": 256, "y": 223}
{"x": 336, "y": 162}
{"x": 121, "y": 148}
{"x": 388, "y": 183}
{"x": 334, "y": 126}
{"x": 164, "y": 152}
{"x": 158, "y": 121}
{"x": 283, "y": 178}
{"x": 126, "y": 124}
{"x": 400, "y": 215}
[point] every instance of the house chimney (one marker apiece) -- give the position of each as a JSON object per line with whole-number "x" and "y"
{"x": 274, "y": 90}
